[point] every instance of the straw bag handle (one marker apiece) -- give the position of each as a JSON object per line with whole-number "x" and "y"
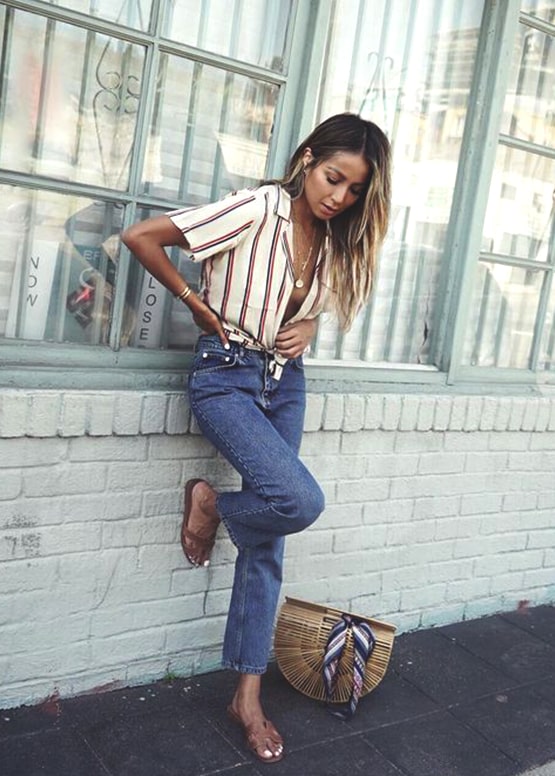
{"x": 363, "y": 644}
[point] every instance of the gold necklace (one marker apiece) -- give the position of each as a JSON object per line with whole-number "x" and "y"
{"x": 299, "y": 282}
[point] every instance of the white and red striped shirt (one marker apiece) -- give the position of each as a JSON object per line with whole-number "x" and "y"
{"x": 245, "y": 242}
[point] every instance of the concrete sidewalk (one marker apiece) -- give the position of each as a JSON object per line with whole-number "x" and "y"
{"x": 544, "y": 770}
{"x": 472, "y": 699}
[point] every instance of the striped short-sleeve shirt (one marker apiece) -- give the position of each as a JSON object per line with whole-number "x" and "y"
{"x": 245, "y": 241}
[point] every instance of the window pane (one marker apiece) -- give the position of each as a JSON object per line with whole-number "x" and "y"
{"x": 209, "y": 132}
{"x": 73, "y": 122}
{"x": 547, "y": 353}
{"x": 519, "y": 211}
{"x": 400, "y": 311}
{"x": 529, "y": 112}
{"x": 407, "y": 66}
{"x": 131, "y": 13}
{"x": 503, "y": 316}
{"x": 250, "y": 30}
{"x": 160, "y": 320}
{"x": 544, "y": 9}
{"x": 57, "y": 270}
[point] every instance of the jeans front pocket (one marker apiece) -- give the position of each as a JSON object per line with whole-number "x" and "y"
{"x": 211, "y": 356}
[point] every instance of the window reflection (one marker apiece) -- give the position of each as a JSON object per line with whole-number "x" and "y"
{"x": 529, "y": 112}
{"x": 73, "y": 122}
{"x": 503, "y": 316}
{"x": 407, "y": 66}
{"x": 130, "y": 13}
{"x": 251, "y": 30}
{"x": 547, "y": 353}
{"x": 518, "y": 224}
{"x": 57, "y": 274}
{"x": 520, "y": 205}
{"x": 544, "y": 9}
{"x": 209, "y": 132}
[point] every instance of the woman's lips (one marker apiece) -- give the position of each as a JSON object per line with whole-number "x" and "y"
{"x": 329, "y": 211}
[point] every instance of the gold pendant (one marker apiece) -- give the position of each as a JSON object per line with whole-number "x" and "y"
{"x": 299, "y": 283}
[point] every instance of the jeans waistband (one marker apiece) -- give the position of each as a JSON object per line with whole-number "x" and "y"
{"x": 242, "y": 339}
{"x": 275, "y": 361}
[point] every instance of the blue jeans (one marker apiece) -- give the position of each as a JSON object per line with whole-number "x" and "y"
{"x": 256, "y": 422}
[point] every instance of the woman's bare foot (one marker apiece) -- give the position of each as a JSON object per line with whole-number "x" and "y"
{"x": 200, "y": 522}
{"x": 245, "y": 708}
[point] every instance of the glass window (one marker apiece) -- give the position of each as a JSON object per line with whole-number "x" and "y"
{"x": 547, "y": 352}
{"x": 408, "y": 67}
{"x": 209, "y": 133}
{"x": 544, "y": 9}
{"x": 250, "y": 30}
{"x": 76, "y": 123}
{"x": 503, "y": 316}
{"x": 507, "y": 298}
{"x": 519, "y": 225}
{"x": 512, "y": 315}
{"x": 70, "y": 102}
{"x": 529, "y": 109}
{"x": 131, "y": 13}
{"x": 59, "y": 258}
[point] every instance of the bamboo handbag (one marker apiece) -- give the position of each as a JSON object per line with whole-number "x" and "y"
{"x": 301, "y": 638}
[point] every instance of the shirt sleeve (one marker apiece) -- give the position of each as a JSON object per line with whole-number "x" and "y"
{"x": 219, "y": 226}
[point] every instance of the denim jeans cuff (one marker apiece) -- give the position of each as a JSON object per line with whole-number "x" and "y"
{"x": 244, "y": 669}
{"x": 228, "y": 528}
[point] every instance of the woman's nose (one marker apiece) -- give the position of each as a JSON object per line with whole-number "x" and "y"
{"x": 339, "y": 194}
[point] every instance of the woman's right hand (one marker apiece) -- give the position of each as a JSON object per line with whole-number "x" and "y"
{"x": 206, "y": 319}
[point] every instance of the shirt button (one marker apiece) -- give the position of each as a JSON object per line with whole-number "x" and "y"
{"x": 205, "y": 354}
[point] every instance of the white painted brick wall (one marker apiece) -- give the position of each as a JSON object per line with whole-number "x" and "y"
{"x": 439, "y": 508}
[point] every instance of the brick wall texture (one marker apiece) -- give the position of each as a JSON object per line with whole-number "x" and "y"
{"x": 439, "y": 508}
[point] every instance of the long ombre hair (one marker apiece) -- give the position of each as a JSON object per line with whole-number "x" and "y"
{"x": 356, "y": 234}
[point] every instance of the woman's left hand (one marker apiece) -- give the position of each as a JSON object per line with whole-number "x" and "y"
{"x": 293, "y": 339}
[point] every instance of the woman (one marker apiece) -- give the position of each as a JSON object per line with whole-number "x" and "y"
{"x": 274, "y": 258}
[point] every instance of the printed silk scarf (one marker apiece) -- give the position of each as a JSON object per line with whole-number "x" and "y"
{"x": 363, "y": 642}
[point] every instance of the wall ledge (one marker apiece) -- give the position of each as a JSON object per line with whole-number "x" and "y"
{"x": 50, "y": 413}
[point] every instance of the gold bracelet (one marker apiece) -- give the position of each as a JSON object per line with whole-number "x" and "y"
{"x": 184, "y": 294}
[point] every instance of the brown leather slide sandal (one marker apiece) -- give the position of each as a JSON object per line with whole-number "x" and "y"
{"x": 256, "y": 738}
{"x": 204, "y": 544}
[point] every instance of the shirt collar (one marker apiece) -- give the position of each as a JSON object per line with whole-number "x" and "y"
{"x": 283, "y": 203}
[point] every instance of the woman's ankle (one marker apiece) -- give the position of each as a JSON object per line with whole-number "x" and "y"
{"x": 247, "y": 694}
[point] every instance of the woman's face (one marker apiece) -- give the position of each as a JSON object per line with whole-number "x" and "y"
{"x": 334, "y": 184}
